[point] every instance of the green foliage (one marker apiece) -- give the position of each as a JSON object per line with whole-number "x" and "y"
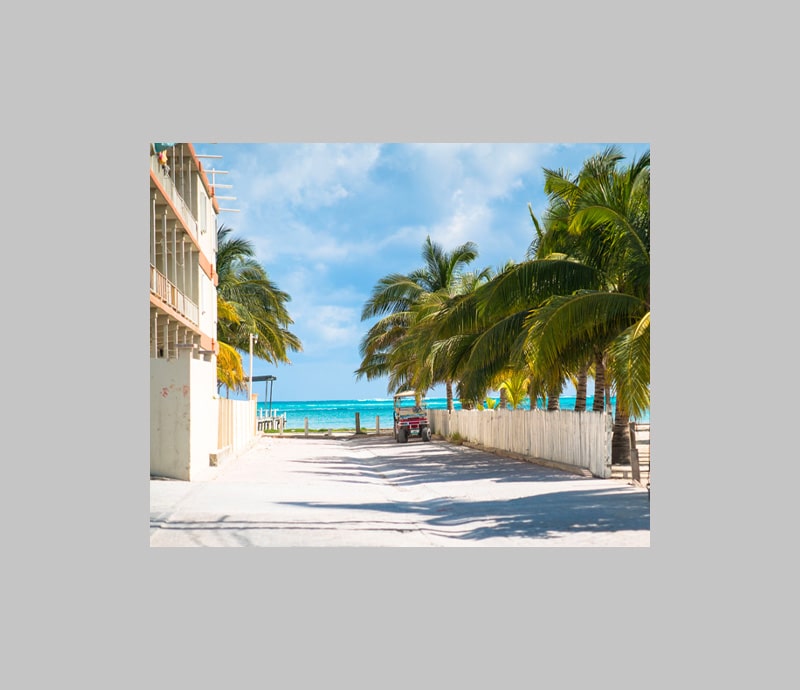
{"x": 516, "y": 385}
{"x": 248, "y": 302}
{"x": 229, "y": 369}
{"x": 399, "y": 345}
{"x": 580, "y": 299}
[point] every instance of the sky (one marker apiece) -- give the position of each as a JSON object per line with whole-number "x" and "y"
{"x": 327, "y": 221}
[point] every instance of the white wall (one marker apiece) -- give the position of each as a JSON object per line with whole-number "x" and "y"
{"x": 169, "y": 419}
{"x": 204, "y": 416}
{"x": 208, "y": 305}
{"x": 183, "y": 417}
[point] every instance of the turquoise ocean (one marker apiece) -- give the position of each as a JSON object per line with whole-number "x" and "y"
{"x": 341, "y": 414}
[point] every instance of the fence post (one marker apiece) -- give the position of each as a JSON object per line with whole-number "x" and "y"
{"x": 358, "y": 422}
{"x": 635, "y": 473}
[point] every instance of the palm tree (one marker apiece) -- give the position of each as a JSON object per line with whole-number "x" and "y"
{"x": 514, "y": 385}
{"x": 442, "y": 354}
{"x": 495, "y": 319}
{"x": 581, "y": 381}
{"x": 230, "y": 372}
{"x": 248, "y": 302}
{"x": 609, "y": 212}
{"x": 581, "y": 297}
{"x": 390, "y": 346}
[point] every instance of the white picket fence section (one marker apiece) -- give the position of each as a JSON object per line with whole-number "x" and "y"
{"x": 237, "y": 424}
{"x": 579, "y": 439}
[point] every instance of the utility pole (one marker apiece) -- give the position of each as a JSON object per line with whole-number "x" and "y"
{"x": 253, "y": 338}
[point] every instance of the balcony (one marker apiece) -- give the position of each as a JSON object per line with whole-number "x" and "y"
{"x": 175, "y": 197}
{"x": 171, "y": 295}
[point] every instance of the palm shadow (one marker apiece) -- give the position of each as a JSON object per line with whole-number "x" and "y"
{"x": 538, "y": 516}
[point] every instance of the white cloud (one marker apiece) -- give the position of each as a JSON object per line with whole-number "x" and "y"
{"x": 407, "y": 236}
{"x": 311, "y": 175}
{"x": 337, "y": 326}
{"x": 483, "y": 171}
{"x": 312, "y": 256}
{"x": 295, "y": 241}
{"x": 468, "y": 179}
{"x": 469, "y": 222}
{"x": 326, "y": 326}
{"x": 460, "y": 184}
{"x": 326, "y": 315}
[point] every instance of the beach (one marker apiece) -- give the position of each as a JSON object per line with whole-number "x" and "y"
{"x": 369, "y": 491}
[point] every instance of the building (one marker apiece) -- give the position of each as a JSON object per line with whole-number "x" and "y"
{"x": 184, "y": 412}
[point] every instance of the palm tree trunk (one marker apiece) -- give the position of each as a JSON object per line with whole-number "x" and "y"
{"x": 580, "y": 390}
{"x": 449, "y": 389}
{"x": 552, "y": 398}
{"x": 503, "y": 404}
{"x": 599, "y": 384}
{"x": 621, "y": 437}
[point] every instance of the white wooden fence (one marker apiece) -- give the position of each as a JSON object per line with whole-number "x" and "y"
{"x": 237, "y": 424}
{"x": 580, "y": 439}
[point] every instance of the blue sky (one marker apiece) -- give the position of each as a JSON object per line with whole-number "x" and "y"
{"x": 327, "y": 221}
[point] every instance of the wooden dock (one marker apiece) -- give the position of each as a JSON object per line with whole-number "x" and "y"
{"x": 271, "y": 423}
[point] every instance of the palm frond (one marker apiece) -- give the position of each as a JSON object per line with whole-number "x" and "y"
{"x": 568, "y": 327}
{"x": 629, "y": 365}
{"x": 229, "y": 368}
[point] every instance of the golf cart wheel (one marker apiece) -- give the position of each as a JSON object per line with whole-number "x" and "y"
{"x": 426, "y": 434}
{"x": 402, "y": 436}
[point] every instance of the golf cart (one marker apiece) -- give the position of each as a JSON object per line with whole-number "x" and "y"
{"x": 410, "y": 417}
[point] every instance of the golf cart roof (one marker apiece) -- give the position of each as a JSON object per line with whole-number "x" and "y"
{"x": 406, "y": 394}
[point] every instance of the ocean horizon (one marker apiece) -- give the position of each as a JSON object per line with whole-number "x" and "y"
{"x": 341, "y": 414}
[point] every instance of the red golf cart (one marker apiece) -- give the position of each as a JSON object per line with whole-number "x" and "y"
{"x": 410, "y": 417}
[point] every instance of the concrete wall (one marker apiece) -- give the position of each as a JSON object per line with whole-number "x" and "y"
{"x": 183, "y": 417}
{"x": 208, "y": 304}
{"x": 205, "y": 414}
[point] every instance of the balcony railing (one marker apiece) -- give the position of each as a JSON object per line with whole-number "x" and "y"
{"x": 169, "y": 293}
{"x": 172, "y": 191}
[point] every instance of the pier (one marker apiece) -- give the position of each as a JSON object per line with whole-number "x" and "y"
{"x": 270, "y": 422}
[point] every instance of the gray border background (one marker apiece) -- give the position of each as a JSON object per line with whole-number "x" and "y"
{"x": 91, "y": 600}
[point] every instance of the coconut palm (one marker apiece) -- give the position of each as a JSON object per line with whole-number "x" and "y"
{"x": 442, "y": 354}
{"x": 496, "y": 316}
{"x": 582, "y": 296}
{"x": 389, "y": 347}
{"x": 609, "y": 213}
{"x": 514, "y": 385}
{"x": 230, "y": 372}
{"x": 248, "y": 302}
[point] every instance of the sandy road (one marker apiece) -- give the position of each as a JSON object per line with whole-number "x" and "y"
{"x": 370, "y": 491}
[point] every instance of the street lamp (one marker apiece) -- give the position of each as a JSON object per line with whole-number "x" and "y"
{"x": 253, "y": 339}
